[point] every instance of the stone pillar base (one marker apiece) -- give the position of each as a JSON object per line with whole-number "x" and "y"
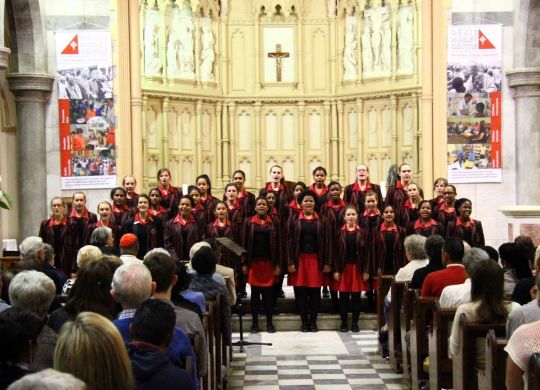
{"x": 4, "y": 56}
{"x": 523, "y": 220}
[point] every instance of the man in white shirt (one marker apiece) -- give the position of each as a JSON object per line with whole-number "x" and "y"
{"x": 455, "y": 295}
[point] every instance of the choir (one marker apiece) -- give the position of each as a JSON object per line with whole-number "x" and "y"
{"x": 311, "y": 234}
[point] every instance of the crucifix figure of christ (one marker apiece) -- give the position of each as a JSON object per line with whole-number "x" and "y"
{"x": 278, "y": 55}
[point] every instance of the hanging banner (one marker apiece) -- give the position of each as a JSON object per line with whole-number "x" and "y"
{"x": 474, "y": 73}
{"x": 86, "y": 109}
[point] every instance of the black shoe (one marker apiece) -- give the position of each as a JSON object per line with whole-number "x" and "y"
{"x": 326, "y": 294}
{"x": 305, "y": 328}
{"x": 355, "y": 328}
{"x": 275, "y": 311}
{"x": 270, "y": 327}
{"x": 313, "y": 328}
{"x": 243, "y": 294}
{"x": 281, "y": 294}
{"x": 255, "y": 328}
{"x": 343, "y": 327}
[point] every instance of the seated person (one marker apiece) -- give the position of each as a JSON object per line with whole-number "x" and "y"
{"x": 433, "y": 249}
{"x": 525, "y": 314}
{"x": 520, "y": 347}
{"x": 151, "y": 332}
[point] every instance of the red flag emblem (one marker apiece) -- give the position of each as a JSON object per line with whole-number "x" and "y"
{"x": 72, "y": 47}
{"x": 483, "y": 42}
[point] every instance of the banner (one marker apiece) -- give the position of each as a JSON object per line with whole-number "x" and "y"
{"x": 474, "y": 73}
{"x": 86, "y": 109}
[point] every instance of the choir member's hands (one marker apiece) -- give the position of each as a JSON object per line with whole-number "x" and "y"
{"x": 366, "y": 276}
{"x": 277, "y": 270}
{"x": 326, "y": 269}
{"x": 245, "y": 269}
{"x": 336, "y": 276}
{"x": 292, "y": 268}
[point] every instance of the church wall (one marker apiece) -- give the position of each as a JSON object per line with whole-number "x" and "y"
{"x": 487, "y": 198}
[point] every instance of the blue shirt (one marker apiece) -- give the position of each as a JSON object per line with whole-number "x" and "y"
{"x": 195, "y": 297}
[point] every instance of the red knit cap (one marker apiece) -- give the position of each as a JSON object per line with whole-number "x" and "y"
{"x": 128, "y": 240}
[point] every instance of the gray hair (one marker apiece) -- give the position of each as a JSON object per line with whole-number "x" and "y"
{"x": 195, "y": 247}
{"x": 100, "y": 235}
{"x": 33, "y": 291}
{"x": 472, "y": 258}
{"x": 48, "y": 379}
{"x": 132, "y": 285}
{"x": 30, "y": 247}
{"x": 415, "y": 246}
{"x": 87, "y": 254}
{"x": 49, "y": 252}
{"x": 156, "y": 250}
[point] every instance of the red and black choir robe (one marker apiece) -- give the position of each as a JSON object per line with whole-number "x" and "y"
{"x": 275, "y": 245}
{"x": 294, "y": 208}
{"x": 353, "y": 194}
{"x": 409, "y": 214}
{"x": 236, "y": 217}
{"x": 199, "y": 213}
{"x": 247, "y": 202}
{"x": 396, "y": 196}
{"x": 389, "y": 254}
{"x": 163, "y": 214}
{"x": 77, "y": 229}
{"x": 293, "y": 234}
{"x": 55, "y": 234}
{"x": 425, "y": 229}
{"x": 132, "y": 202}
{"x": 282, "y": 199}
{"x": 119, "y": 215}
{"x": 445, "y": 215}
{"x": 371, "y": 222}
{"x": 436, "y": 204}
{"x": 170, "y": 199}
{"x": 149, "y": 232}
{"x": 180, "y": 235}
{"x": 338, "y": 259}
{"x": 208, "y": 205}
{"x": 332, "y": 216}
{"x": 322, "y": 196}
{"x": 214, "y": 231}
{"x": 472, "y": 232}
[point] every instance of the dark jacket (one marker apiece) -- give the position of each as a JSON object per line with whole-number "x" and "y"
{"x": 152, "y": 368}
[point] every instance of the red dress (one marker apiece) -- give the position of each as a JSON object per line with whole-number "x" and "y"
{"x": 350, "y": 260}
{"x": 261, "y": 242}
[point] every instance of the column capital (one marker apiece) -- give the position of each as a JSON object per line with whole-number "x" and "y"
{"x": 526, "y": 78}
{"x": 26, "y": 84}
{"x": 4, "y": 55}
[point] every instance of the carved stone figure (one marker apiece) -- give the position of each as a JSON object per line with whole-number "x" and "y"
{"x": 367, "y": 51}
{"x": 331, "y": 8}
{"x": 207, "y": 53}
{"x": 173, "y": 48}
{"x": 377, "y": 22}
{"x": 350, "y": 61}
{"x": 405, "y": 38}
{"x": 152, "y": 61}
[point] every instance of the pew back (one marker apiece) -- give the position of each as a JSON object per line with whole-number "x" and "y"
{"x": 440, "y": 365}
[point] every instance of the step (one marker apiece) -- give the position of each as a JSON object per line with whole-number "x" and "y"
{"x": 292, "y": 322}
{"x": 288, "y": 305}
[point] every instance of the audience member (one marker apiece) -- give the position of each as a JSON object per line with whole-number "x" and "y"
{"x": 204, "y": 264}
{"x": 48, "y": 379}
{"x": 85, "y": 255}
{"x": 522, "y": 291}
{"x": 454, "y": 273}
{"x": 487, "y": 306}
{"x": 182, "y": 296}
{"x": 151, "y": 332}
{"x": 521, "y": 345}
{"x": 455, "y": 295}
{"x": 492, "y": 252}
{"x": 91, "y": 349}
{"x": 516, "y": 267}
{"x": 19, "y": 331}
{"x": 34, "y": 291}
{"x": 90, "y": 293}
{"x": 32, "y": 252}
{"x": 525, "y": 314}
{"x": 129, "y": 247}
{"x": 433, "y": 248}
{"x": 48, "y": 268}
{"x": 163, "y": 270}
{"x": 103, "y": 238}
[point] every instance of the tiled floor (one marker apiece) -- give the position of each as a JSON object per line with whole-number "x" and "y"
{"x": 323, "y": 360}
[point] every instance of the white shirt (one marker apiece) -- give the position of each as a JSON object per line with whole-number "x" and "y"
{"x": 455, "y": 295}
{"x": 406, "y": 273}
{"x": 128, "y": 259}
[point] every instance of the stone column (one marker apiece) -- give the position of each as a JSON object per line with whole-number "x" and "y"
{"x": 4, "y": 51}
{"x": 526, "y": 85}
{"x": 31, "y": 91}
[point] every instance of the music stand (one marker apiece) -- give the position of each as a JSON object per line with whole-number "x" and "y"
{"x": 238, "y": 251}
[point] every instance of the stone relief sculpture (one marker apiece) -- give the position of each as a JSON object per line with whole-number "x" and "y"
{"x": 207, "y": 52}
{"x": 173, "y": 47}
{"x": 377, "y": 26}
{"x": 405, "y": 38}
{"x": 152, "y": 61}
{"x": 367, "y": 52}
{"x": 331, "y": 8}
{"x": 185, "y": 35}
{"x": 350, "y": 60}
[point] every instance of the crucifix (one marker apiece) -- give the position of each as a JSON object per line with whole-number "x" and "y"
{"x": 278, "y": 55}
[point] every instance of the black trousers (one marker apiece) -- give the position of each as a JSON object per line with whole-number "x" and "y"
{"x": 267, "y": 301}
{"x": 309, "y": 303}
{"x": 344, "y": 298}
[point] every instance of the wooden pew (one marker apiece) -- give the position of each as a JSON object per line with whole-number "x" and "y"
{"x": 214, "y": 309}
{"x": 440, "y": 366}
{"x": 495, "y": 374}
{"x": 463, "y": 363}
{"x": 10, "y": 263}
{"x": 405, "y": 326}
{"x": 383, "y": 285}
{"x": 422, "y": 315}
{"x": 394, "y": 330}
{"x": 206, "y": 381}
{"x": 533, "y": 372}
